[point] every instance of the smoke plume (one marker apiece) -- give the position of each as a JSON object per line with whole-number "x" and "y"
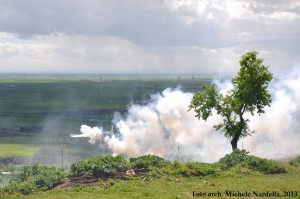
{"x": 165, "y": 127}
{"x": 277, "y": 130}
{"x": 94, "y": 133}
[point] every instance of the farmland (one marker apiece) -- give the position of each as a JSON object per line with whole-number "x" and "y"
{"x": 35, "y": 109}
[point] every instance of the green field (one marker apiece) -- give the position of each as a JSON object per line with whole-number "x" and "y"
{"x": 35, "y": 108}
{"x": 16, "y": 150}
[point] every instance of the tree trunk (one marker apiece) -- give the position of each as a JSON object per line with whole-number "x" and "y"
{"x": 234, "y": 142}
{"x": 241, "y": 126}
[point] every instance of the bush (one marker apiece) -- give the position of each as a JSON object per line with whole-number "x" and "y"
{"x": 295, "y": 162}
{"x": 8, "y": 168}
{"x": 265, "y": 166}
{"x": 36, "y": 177}
{"x": 21, "y": 187}
{"x": 243, "y": 159}
{"x": 147, "y": 161}
{"x": 99, "y": 166}
{"x": 237, "y": 157}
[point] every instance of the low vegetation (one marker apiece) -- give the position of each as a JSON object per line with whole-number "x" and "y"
{"x": 35, "y": 178}
{"x": 241, "y": 158}
{"x": 107, "y": 173}
{"x": 295, "y": 162}
{"x": 147, "y": 161}
{"x": 99, "y": 166}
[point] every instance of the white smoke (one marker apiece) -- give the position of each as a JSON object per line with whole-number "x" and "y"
{"x": 164, "y": 127}
{"x": 94, "y": 133}
{"x": 277, "y": 130}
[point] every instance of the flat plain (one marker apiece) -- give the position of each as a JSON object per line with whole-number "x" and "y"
{"x": 38, "y": 109}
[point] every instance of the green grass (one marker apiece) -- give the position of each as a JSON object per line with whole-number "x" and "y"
{"x": 7, "y": 150}
{"x": 170, "y": 187}
{"x": 61, "y": 95}
{"x": 158, "y": 183}
{"x": 25, "y": 101}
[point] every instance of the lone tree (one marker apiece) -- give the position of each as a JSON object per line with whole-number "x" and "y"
{"x": 249, "y": 95}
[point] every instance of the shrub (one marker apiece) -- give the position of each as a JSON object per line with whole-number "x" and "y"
{"x": 265, "y": 166}
{"x": 147, "y": 161}
{"x": 8, "y": 168}
{"x": 243, "y": 159}
{"x": 22, "y": 187}
{"x": 295, "y": 162}
{"x": 235, "y": 158}
{"x": 36, "y": 177}
{"x": 99, "y": 166}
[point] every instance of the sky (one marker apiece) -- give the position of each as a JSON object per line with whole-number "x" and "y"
{"x": 146, "y": 36}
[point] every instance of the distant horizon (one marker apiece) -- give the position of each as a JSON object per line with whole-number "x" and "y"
{"x": 109, "y": 75}
{"x": 139, "y": 73}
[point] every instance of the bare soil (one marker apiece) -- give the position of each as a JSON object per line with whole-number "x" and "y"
{"x": 88, "y": 181}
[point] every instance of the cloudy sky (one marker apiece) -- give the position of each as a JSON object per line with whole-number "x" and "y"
{"x": 156, "y": 36}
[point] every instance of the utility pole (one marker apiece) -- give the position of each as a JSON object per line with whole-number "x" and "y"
{"x": 101, "y": 79}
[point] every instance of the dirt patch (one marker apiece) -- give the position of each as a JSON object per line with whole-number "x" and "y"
{"x": 88, "y": 181}
{"x": 78, "y": 180}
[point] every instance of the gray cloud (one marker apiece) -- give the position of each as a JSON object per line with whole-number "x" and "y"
{"x": 137, "y": 21}
{"x": 160, "y": 35}
{"x": 273, "y": 6}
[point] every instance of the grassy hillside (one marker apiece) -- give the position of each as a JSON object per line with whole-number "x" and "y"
{"x": 172, "y": 188}
{"x": 162, "y": 179}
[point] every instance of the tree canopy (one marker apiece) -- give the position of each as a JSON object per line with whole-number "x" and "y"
{"x": 249, "y": 94}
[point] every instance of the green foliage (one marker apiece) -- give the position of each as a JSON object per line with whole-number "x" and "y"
{"x": 249, "y": 94}
{"x": 235, "y": 158}
{"x": 21, "y": 187}
{"x": 147, "y": 161}
{"x": 204, "y": 102}
{"x": 241, "y": 158}
{"x": 295, "y": 162}
{"x": 8, "y": 168}
{"x": 265, "y": 166}
{"x": 36, "y": 177}
{"x": 99, "y": 166}
{"x": 40, "y": 178}
{"x": 160, "y": 167}
{"x": 251, "y": 84}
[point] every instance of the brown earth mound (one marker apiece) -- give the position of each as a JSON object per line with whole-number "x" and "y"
{"x": 88, "y": 181}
